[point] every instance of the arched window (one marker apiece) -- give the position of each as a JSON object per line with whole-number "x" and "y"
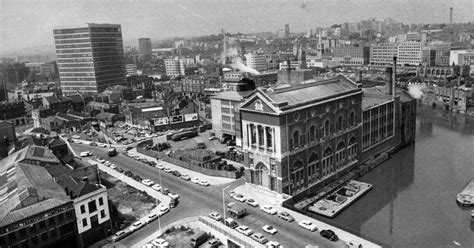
{"x": 296, "y": 139}
{"x": 314, "y": 157}
{"x": 312, "y": 132}
{"x": 340, "y": 146}
{"x": 326, "y": 128}
{"x": 327, "y": 152}
{"x": 352, "y": 140}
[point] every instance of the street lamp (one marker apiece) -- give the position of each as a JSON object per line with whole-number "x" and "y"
{"x": 223, "y": 200}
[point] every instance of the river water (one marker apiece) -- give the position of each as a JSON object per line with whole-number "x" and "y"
{"x": 413, "y": 202}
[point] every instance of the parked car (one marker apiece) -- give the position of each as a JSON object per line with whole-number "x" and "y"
{"x": 137, "y": 225}
{"x": 119, "y": 235}
{"x": 308, "y": 225}
{"x": 167, "y": 169}
{"x": 269, "y": 209}
{"x": 329, "y": 234}
{"x": 176, "y": 173}
{"x": 100, "y": 160}
{"x": 173, "y": 195}
{"x": 151, "y": 217}
{"x": 204, "y": 183}
{"x": 286, "y": 216}
{"x": 148, "y": 182}
{"x": 107, "y": 163}
{"x": 252, "y": 202}
{"x": 160, "y": 243}
{"x": 273, "y": 244}
{"x": 164, "y": 209}
{"x": 214, "y": 243}
{"x": 85, "y": 154}
{"x": 259, "y": 238}
{"x": 159, "y": 166}
{"x": 215, "y": 216}
{"x": 230, "y": 223}
{"x": 244, "y": 230}
{"x": 195, "y": 180}
{"x": 156, "y": 187}
{"x": 119, "y": 170}
{"x": 269, "y": 229}
{"x": 239, "y": 197}
{"x": 113, "y": 166}
{"x": 165, "y": 191}
{"x": 93, "y": 144}
{"x": 185, "y": 177}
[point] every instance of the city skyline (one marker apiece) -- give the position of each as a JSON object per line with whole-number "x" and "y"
{"x": 28, "y": 24}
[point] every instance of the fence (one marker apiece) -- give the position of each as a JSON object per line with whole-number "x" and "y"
{"x": 216, "y": 173}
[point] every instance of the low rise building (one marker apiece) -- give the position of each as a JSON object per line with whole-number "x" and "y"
{"x": 383, "y": 53}
{"x": 14, "y": 112}
{"x": 409, "y": 53}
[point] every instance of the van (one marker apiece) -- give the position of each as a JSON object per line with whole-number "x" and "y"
{"x": 198, "y": 239}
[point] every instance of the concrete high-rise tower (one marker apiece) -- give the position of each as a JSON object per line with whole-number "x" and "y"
{"x": 90, "y": 58}
{"x": 287, "y": 30}
{"x": 144, "y": 46}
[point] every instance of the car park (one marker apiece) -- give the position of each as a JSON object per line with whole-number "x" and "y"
{"x": 269, "y": 209}
{"x": 329, "y": 234}
{"x": 147, "y": 182}
{"x": 286, "y": 216}
{"x": 160, "y": 243}
{"x": 195, "y": 180}
{"x": 244, "y": 230}
{"x": 185, "y": 177}
{"x": 156, "y": 187}
{"x": 259, "y": 238}
{"x": 215, "y": 216}
{"x": 204, "y": 183}
{"x": 252, "y": 202}
{"x": 269, "y": 229}
{"x": 85, "y": 154}
{"x": 239, "y": 197}
{"x": 308, "y": 225}
{"x": 137, "y": 225}
{"x": 151, "y": 217}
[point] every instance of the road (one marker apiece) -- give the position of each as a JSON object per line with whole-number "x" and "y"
{"x": 198, "y": 200}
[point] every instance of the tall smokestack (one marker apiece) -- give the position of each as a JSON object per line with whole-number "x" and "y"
{"x": 224, "y": 48}
{"x": 388, "y": 80}
{"x": 451, "y": 16}
{"x": 394, "y": 80}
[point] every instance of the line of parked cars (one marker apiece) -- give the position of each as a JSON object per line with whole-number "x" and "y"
{"x": 245, "y": 230}
{"x": 306, "y": 224}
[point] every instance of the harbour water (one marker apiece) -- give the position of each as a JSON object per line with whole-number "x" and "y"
{"x": 413, "y": 202}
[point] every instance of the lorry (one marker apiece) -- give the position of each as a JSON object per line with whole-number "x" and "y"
{"x": 237, "y": 210}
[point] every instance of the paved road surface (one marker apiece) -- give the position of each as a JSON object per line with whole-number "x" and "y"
{"x": 199, "y": 200}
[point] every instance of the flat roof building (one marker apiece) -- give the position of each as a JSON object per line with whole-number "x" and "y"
{"x": 91, "y": 58}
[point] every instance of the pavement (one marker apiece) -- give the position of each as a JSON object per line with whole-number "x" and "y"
{"x": 211, "y": 179}
{"x": 267, "y": 197}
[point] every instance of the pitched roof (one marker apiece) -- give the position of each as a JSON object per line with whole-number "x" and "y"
{"x": 37, "y": 153}
{"x": 310, "y": 90}
{"x": 76, "y": 98}
{"x": 76, "y": 187}
{"x": 17, "y": 215}
{"x": 20, "y": 181}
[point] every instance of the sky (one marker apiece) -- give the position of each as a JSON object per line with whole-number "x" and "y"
{"x": 30, "y": 23}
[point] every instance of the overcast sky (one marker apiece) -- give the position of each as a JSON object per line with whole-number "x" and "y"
{"x": 28, "y": 23}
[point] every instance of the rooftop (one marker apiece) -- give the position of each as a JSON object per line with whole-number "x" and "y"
{"x": 232, "y": 95}
{"x": 309, "y": 90}
{"x": 374, "y": 96}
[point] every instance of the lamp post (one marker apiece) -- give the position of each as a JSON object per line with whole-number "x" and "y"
{"x": 223, "y": 200}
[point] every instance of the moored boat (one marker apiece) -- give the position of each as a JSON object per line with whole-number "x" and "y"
{"x": 466, "y": 197}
